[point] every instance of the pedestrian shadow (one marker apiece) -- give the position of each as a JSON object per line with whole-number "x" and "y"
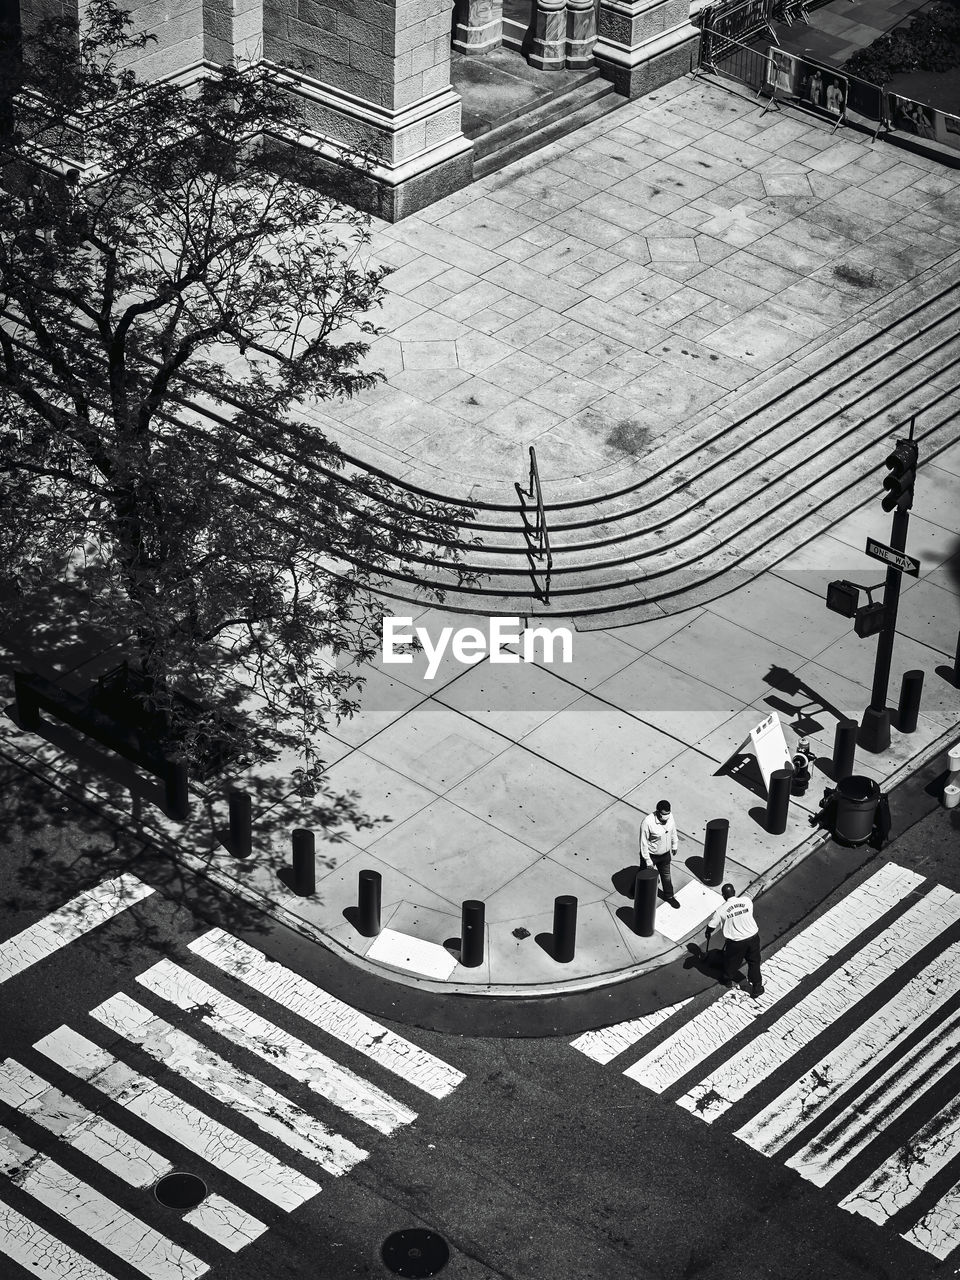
{"x": 709, "y": 963}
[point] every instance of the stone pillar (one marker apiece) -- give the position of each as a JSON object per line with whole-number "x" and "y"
{"x": 643, "y": 44}
{"x": 477, "y": 25}
{"x": 581, "y": 33}
{"x": 548, "y": 51}
{"x": 374, "y": 75}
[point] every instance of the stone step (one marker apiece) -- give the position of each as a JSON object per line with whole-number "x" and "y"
{"x": 554, "y": 119}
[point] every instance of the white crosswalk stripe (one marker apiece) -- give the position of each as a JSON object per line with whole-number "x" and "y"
{"x": 248, "y": 1030}
{"x": 711, "y": 1030}
{"x": 130, "y": 1239}
{"x": 110, "y": 1148}
{"x": 328, "y": 1013}
{"x": 841, "y": 1108}
{"x": 71, "y": 921}
{"x": 113, "y": 1152}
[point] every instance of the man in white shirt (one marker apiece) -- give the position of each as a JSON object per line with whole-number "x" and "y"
{"x": 658, "y": 840}
{"x": 741, "y": 938}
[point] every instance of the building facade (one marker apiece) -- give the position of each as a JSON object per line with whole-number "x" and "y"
{"x": 375, "y": 74}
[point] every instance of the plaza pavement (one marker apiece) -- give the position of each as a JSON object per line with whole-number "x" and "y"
{"x": 591, "y": 299}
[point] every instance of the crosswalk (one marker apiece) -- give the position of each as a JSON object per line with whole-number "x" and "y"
{"x": 191, "y": 1048}
{"x": 872, "y": 987}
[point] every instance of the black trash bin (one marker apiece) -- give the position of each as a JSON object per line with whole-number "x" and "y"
{"x": 855, "y": 808}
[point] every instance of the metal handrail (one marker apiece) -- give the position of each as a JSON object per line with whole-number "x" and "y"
{"x": 543, "y": 537}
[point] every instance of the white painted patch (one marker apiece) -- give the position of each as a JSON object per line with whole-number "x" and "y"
{"x": 92, "y": 1213}
{"x": 325, "y": 1011}
{"x": 80, "y": 1128}
{"x": 404, "y": 951}
{"x": 726, "y": 1018}
{"x": 697, "y": 904}
{"x": 604, "y": 1044}
{"x": 900, "y": 1086}
{"x": 902, "y": 1178}
{"x": 838, "y": 993}
{"x": 265, "y": 1107}
{"x": 798, "y": 1106}
{"x": 342, "y": 1087}
{"x": 203, "y": 1137}
{"x": 225, "y": 1223}
{"x": 41, "y": 1254}
{"x": 78, "y": 916}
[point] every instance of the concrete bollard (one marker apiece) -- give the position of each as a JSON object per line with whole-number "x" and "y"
{"x": 953, "y": 759}
{"x": 951, "y": 796}
{"x": 715, "y": 850}
{"x": 28, "y": 713}
{"x": 368, "y": 903}
{"x": 908, "y": 711}
{"x": 564, "y": 928}
{"x": 778, "y": 801}
{"x": 645, "y": 901}
{"x": 241, "y": 824}
{"x": 176, "y": 791}
{"x": 471, "y": 933}
{"x": 844, "y": 748}
{"x": 304, "y": 861}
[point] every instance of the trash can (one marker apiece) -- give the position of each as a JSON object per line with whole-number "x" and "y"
{"x": 855, "y": 808}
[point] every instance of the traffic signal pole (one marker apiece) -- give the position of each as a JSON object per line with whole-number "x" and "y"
{"x": 875, "y": 727}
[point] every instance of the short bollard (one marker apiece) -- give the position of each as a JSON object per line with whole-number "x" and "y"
{"x": 778, "y": 801}
{"x": 645, "y": 901}
{"x": 368, "y": 903}
{"x": 304, "y": 861}
{"x": 176, "y": 791}
{"x": 951, "y": 796}
{"x": 908, "y": 711}
{"x": 28, "y": 713}
{"x": 844, "y": 748}
{"x": 471, "y": 933}
{"x": 241, "y": 824}
{"x": 564, "y": 928}
{"x": 715, "y": 850}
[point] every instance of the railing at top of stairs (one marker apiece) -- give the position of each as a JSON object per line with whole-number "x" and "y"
{"x": 539, "y": 532}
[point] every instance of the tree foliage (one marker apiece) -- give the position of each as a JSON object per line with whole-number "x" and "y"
{"x": 930, "y": 41}
{"x": 179, "y": 293}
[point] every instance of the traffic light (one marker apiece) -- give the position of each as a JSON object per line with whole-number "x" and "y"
{"x": 843, "y": 597}
{"x": 902, "y": 465}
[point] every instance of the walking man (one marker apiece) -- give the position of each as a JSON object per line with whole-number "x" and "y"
{"x": 741, "y": 938}
{"x": 658, "y": 840}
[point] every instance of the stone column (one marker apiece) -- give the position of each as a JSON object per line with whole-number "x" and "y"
{"x": 581, "y": 33}
{"x": 374, "y": 75}
{"x": 548, "y": 51}
{"x": 643, "y": 44}
{"x": 478, "y": 25}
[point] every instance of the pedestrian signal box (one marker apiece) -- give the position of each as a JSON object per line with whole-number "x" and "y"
{"x": 869, "y": 620}
{"x": 843, "y": 597}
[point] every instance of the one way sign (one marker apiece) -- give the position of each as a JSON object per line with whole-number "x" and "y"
{"x": 899, "y": 559}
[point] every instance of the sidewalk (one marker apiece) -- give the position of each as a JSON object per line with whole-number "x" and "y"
{"x": 600, "y": 283}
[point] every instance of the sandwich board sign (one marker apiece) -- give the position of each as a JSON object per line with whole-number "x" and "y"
{"x": 770, "y": 746}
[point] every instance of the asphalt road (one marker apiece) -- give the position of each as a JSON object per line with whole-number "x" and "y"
{"x": 541, "y": 1163}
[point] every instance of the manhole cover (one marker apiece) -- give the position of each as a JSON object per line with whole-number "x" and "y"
{"x": 415, "y": 1252}
{"x": 181, "y": 1191}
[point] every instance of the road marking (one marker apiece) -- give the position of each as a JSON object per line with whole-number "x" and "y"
{"x": 81, "y": 1129}
{"x": 901, "y": 1178}
{"x": 727, "y": 1017}
{"x": 795, "y": 1108}
{"x": 939, "y": 1228}
{"x": 871, "y": 965}
{"x": 92, "y": 1213}
{"x": 339, "y": 1085}
{"x": 42, "y": 1254}
{"x": 204, "y": 1137}
{"x": 69, "y": 922}
{"x": 225, "y": 1222}
{"x": 110, "y": 1148}
{"x": 871, "y": 1112}
{"x": 325, "y": 1011}
{"x": 605, "y": 1043}
{"x": 269, "y": 1110}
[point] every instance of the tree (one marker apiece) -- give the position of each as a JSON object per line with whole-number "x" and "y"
{"x": 178, "y": 291}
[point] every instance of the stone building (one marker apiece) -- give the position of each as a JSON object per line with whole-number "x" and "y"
{"x": 376, "y": 74}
